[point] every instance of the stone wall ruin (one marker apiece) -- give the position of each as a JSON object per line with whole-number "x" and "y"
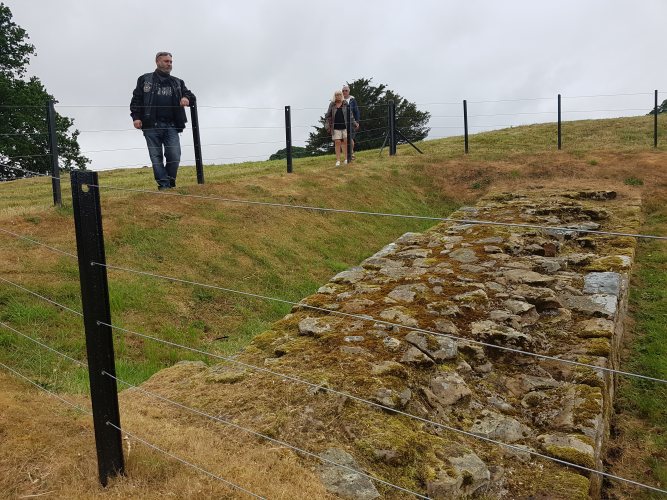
{"x": 557, "y": 292}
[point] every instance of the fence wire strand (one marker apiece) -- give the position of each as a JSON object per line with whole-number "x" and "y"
{"x": 57, "y": 304}
{"x": 36, "y": 174}
{"x": 44, "y": 389}
{"x": 25, "y": 238}
{"x": 45, "y": 346}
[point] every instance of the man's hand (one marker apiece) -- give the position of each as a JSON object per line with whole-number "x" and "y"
{"x": 137, "y": 123}
{"x": 185, "y": 102}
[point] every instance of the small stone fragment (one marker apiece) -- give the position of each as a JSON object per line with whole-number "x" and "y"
{"x": 345, "y": 481}
{"x": 597, "y": 327}
{"x": 388, "y": 368}
{"x": 414, "y": 356}
{"x": 398, "y": 315}
{"x": 315, "y": 327}
{"x": 464, "y": 255}
{"x": 571, "y": 448}
{"x": 391, "y": 343}
{"x": 449, "y": 389}
{"x": 493, "y": 425}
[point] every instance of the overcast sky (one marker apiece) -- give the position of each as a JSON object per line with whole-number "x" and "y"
{"x": 268, "y": 54}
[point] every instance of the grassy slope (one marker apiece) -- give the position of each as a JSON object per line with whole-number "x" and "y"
{"x": 287, "y": 253}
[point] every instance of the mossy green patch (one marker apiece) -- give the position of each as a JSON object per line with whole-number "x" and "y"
{"x": 598, "y": 347}
{"x": 570, "y": 454}
{"x": 609, "y": 263}
{"x": 561, "y": 485}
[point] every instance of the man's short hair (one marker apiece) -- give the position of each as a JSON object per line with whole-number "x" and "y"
{"x": 160, "y": 54}
{"x": 346, "y": 87}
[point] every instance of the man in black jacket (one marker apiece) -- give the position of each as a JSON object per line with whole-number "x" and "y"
{"x": 158, "y": 108}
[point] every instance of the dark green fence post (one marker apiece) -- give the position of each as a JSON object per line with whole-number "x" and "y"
{"x": 96, "y": 318}
{"x": 53, "y": 152}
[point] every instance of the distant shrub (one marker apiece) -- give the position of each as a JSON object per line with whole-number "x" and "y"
{"x": 634, "y": 181}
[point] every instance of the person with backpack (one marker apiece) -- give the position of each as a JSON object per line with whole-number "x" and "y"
{"x": 354, "y": 109}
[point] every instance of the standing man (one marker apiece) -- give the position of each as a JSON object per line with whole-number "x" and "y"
{"x": 354, "y": 109}
{"x": 158, "y": 108}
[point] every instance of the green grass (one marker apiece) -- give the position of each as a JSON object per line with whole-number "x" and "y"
{"x": 646, "y": 400}
{"x": 634, "y": 181}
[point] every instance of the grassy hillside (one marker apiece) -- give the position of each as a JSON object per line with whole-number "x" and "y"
{"x": 287, "y": 253}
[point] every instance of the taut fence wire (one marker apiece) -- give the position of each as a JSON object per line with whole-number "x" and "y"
{"x": 268, "y": 132}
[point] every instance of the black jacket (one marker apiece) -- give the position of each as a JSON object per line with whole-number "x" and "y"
{"x": 141, "y": 105}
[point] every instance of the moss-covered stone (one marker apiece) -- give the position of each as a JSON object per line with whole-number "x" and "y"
{"x": 572, "y": 448}
{"x": 598, "y": 347}
{"x": 562, "y": 485}
{"x": 609, "y": 263}
{"x": 570, "y": 454}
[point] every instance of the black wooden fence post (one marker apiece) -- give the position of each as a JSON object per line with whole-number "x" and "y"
{"x": 196, "y": 140}
{"x": 465, "y": 125}
{"x": 392, "y": 128}
{"x": 96, "y": 318}
{"x": 288, "y": 138}
{"x": 655, "y": 121}
{"x": 559, "y": 124}
{"x": 53, "y": 150}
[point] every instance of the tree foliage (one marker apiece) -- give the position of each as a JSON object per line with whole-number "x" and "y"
{"x": 23, "y": 123}
{"x": 661, "y": 109}
{"x": 373, "y": 104}
{"x": 297, "y": 152}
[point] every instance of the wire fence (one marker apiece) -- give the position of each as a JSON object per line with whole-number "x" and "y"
{"x": 235, "y": 134}
{"x": 357, "y": 398}
{"x": 270, "y": 133}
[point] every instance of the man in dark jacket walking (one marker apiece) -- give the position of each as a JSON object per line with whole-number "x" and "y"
{"x": 354, "y": 109}
{"x": 158, "y": 108}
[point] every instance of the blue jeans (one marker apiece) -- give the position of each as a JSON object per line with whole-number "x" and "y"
{"x": 164, "y": 144}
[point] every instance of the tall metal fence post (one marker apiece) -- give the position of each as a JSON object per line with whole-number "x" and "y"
{"x": 392, "y": 128}
{"x": 196, "y": 140}
{"x": 96, "y": 317}
{"x": 560, "y": 137}
{"x": 655, "y": 121}
{"x": 288, "y": 138}
{"x": 465, "y": 125}
{"x": 53, "y": 150}
{"x": 348, "y": 151}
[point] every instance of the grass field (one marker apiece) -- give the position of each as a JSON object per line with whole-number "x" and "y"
{"x": 287, "y": 253}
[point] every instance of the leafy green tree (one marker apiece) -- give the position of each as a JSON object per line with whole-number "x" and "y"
{"x": 373, "y": 104}
{"x": 661, "y": 109}
{"x": 23, "y": 124}
{"x": 297, "y": 152}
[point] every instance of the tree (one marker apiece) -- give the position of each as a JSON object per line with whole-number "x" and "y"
{"x": 297, "y": 152}
{"x": 661, "y": 109}
{"x": 373, "y": 104}
{"x": 23, "y": 124}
